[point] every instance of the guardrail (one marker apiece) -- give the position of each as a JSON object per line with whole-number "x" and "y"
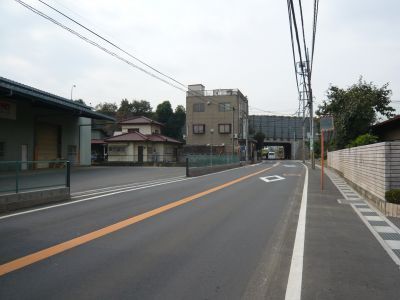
{"x": 23, "y": 176}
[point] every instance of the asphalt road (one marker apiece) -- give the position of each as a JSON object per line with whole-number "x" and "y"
{"x": 155, "y": 234}
{"x": 232, "y": 239}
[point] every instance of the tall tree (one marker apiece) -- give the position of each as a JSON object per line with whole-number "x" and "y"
{"x": 164, "y": 111}
{"x": 125, "y": 110}
{"x": 109, "y": 109}
{"x": 176, "y": 124}
{"x": 141, "y": 108}
{"x": 355, "y": 109}
{"x": 259, "y": 137}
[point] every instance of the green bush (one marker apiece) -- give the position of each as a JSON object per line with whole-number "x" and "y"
{"x": 393, "y": 196}
{"x": 364, "y": 139}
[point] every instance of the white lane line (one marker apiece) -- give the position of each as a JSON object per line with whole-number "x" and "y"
{"x": 365, "y": 210}
{"x": 384, "y": 229}
{"x": 104, "y": 195}
{"x": 373, "y": 218}
{"x": 132, "y": 184}
{"x": 293, "y": 288}
{"x": 73, "y": 196}
{"x": 87, "y": 199}
{"x": 393, "y": 244}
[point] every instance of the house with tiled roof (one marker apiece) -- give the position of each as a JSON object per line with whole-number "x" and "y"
{"x": 141, "y": 141}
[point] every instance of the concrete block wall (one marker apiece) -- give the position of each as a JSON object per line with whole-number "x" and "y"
{"x": 374, "y": 168}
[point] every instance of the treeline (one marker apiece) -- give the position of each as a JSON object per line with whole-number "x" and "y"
{"x": 174, "y": 120}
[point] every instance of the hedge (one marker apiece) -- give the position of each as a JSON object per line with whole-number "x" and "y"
{"x": 393, "y": 196}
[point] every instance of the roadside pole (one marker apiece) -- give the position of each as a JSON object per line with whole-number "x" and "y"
{"x": 322, "y": 160}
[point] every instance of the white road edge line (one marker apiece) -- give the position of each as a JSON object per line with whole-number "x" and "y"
{"x": 381, "y": 241}
{"x": 124, "y": 191}
{"x": 85, "y": 199}
{"x": 293, "y": 288}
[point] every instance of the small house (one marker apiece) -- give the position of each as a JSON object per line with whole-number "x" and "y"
{"x": 141, "y": 141}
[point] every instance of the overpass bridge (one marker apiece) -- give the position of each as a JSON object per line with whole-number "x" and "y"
{"x": 282, "y": 131}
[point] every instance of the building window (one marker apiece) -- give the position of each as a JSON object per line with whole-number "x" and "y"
{"x": 2, "y": 150}
{"x": 224, "y": 128}
{"x": 130, "y": 130}
{"x": 117, "y": 149}
{"x": 198, "y": 107}
{"x": 224, "y": 107}
{"x": 199, "y": 128}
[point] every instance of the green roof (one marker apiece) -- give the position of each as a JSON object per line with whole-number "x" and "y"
{"x": 18, "y": 89}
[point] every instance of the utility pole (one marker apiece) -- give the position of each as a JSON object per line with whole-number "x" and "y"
{"x": 311, "y": 107}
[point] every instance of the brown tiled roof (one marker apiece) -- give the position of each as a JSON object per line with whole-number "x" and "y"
{"x": 127, "y": 137}
{"x": 162, "y": 138}
{"x": 139, "y": 137}
{"x": 141, "y": 120}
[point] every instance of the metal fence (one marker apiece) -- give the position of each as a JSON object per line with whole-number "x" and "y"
{"x": 211, "y": 160}
{"x": 150, "y": 158}
{"x": 23, "y": 176}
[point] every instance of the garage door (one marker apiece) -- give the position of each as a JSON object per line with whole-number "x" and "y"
{"x": 46, "y": 143}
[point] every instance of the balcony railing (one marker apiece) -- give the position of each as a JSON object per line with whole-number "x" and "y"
{"x": 218, "y": 92}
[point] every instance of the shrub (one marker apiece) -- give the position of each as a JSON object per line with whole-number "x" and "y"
{"x": 364, "y": 139}
{"x": 393, "y": 196}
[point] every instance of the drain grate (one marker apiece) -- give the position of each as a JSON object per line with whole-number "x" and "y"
{"x": 392, "y": 236}
{"x": 397, "y": 252}
{"x": 368, "y": 213}
{"x": 378, "y": 223}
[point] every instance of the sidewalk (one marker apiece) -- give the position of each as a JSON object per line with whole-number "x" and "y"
{"x": 343, "y": 258}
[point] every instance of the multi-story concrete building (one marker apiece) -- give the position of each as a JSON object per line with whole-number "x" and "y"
{"x": 217, "y": 117}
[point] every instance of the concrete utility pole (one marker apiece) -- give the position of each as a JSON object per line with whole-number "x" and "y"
{"x": 311, "y": 107}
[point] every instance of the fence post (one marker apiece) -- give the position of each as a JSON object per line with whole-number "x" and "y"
{"x": 17, "y": 177}
{"x": 187, "y": 166}
{"x": 68, "y": 177}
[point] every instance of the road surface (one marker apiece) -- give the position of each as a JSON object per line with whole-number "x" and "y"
{"x": 230, "y": 235}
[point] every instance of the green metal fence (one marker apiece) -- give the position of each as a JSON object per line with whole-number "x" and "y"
{"x": 23, "y": 176}
{"x": 211, "y": 160}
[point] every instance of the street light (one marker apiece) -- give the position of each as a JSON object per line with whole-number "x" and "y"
{"x": 72, "y": 89}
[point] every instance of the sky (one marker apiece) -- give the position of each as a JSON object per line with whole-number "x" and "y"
{"x": 218, "y": 43}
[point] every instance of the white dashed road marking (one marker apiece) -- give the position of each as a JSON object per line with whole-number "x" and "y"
{"x": 387, "y": 234}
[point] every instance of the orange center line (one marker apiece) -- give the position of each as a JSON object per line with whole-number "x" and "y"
{"x": 83, "y": 239}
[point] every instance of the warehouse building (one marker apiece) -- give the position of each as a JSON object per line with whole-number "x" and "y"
{"x": 39, "y": 126}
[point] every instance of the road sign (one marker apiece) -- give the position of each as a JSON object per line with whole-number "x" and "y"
{"x": 326, "y": 123}
{"x": 272, "y": 178}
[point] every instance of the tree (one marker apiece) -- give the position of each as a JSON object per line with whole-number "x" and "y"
{"x": 125, "y": 110}
{"x": 175, "y": 125}
{"x": 164, "y": 111}
{"x": 355, "y": 109}
{"x": 80, "y": 101}
{"x": 109, "y": 109}
{"x": 141, "y": 108}
{"x": 259, "y": 137}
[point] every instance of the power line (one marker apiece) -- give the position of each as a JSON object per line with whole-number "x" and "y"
{"x": 86, "y": 39}
{"x": 38, "y": 12}
{"x": 111, "y": 43}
